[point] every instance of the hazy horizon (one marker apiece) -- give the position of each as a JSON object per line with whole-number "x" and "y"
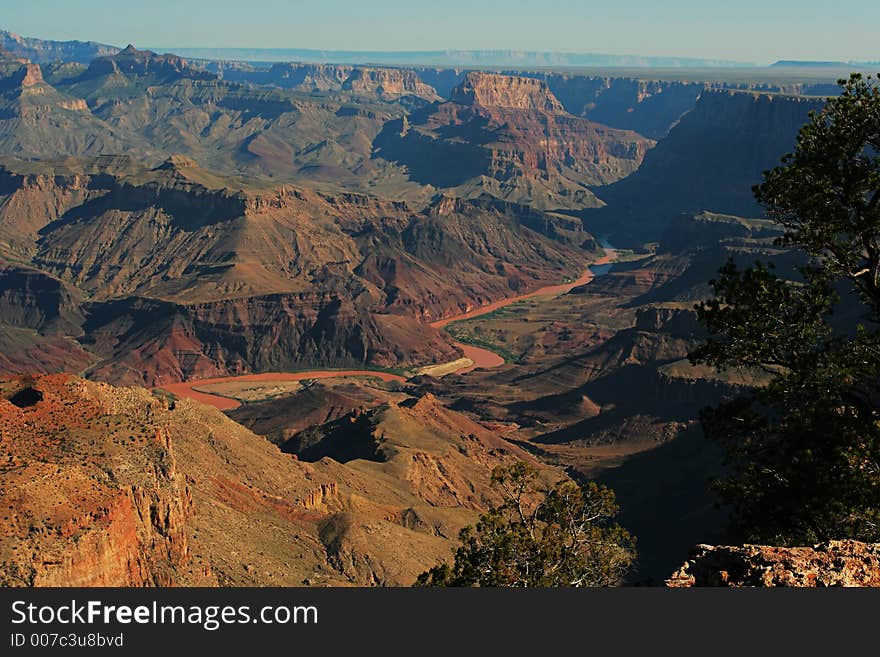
{"x": 750, "y": 32}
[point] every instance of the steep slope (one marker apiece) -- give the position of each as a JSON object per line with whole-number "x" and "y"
{"x": 510, "y": 137}
{"x": 33, "y": 299}
{"x": 181, "y": 275}
{"x": 118, "y": 487}
{"x": 39, "y": 315}
{"x": 709, "y": 161}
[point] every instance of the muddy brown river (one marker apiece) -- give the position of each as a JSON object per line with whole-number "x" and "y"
{"x": 482, "y": 358}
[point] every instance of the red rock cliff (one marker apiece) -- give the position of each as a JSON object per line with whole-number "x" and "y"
{"x": 389, "y": 83}
{"x": 512, "y": 92}
{"x": 111, "y": 508}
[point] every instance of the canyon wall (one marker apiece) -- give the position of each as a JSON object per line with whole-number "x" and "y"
{"x": 709, "y": 161}
{"x": 163, "y": 278}
{"x": 510, "y": 137}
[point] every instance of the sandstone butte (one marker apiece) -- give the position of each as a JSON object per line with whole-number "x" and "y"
{"x": 512, "y": 92}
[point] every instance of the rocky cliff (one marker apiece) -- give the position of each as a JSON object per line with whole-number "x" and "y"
{"x": 27, "y": 75}
{"x": 112, "y": 507}
{"x": 505, "y": 91}
{"x": 112, "y": 486}
{"x": 26, "y": 92}
{"x": 509, "y": 137}
{"x": 709, "y": 161}
{"x": 388, "y": 83}
{"x": 179, "y": 277}
{"x": 836, "y": 563}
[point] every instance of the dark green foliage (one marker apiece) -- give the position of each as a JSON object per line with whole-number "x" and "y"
{"x": 827, "y": 193}
{"x": 562, "y": 535}
{"x": 804, "y": 451}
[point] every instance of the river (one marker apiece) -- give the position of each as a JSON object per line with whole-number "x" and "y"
{"x": 488, "y": 359}
{"x": 187, "y": 388}
{"x": 482, "y": 358}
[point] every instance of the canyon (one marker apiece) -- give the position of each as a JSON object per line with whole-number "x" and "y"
{"x": 276, "y": 323}
{"x": 510, "y": 137}
{"x": 299, "y": 276}
{"x": 474, "y": 357}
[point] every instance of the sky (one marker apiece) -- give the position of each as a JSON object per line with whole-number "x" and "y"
{"x": 759, "y": 31}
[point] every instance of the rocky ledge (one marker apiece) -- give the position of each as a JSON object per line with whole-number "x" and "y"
{"x": 835, "y": 563}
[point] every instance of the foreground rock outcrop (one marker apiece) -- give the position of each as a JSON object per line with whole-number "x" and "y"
{"x": 91, "y": 491}
{"x": 835, "y": 563}
{"x": 107, "y": 486}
